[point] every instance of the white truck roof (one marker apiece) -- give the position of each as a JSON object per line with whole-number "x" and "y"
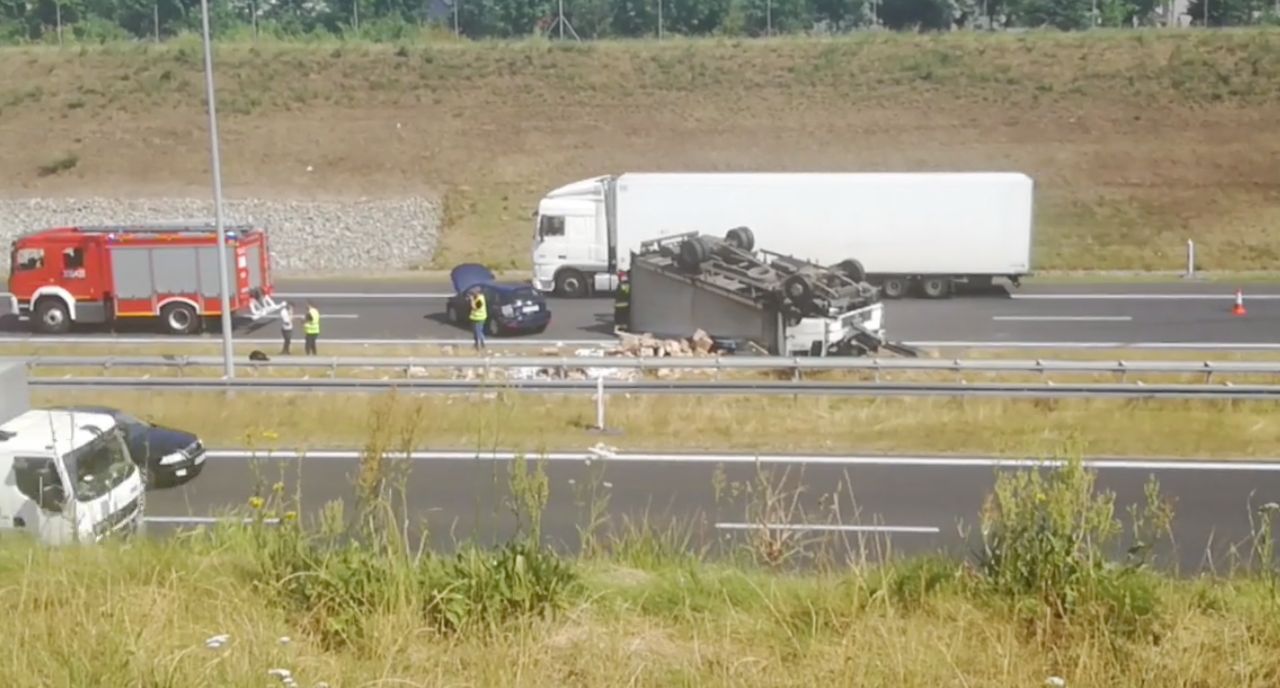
{"x": 29, "y": 433}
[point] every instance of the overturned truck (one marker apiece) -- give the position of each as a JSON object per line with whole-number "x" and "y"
{"x": 737, "y": 294}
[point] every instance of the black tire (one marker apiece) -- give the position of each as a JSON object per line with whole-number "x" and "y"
{"x": 741, "y": 238}
{"x": 798, "y": 289}
{"x": 180, "y": 318}
{"x": 52, "y": 316}
{"x": 489, "y": 328}
{"x": 935, "y": 287}
{"x": 693, "y": 254}
{"x": 571, "y": 284}
{"x": 894, "y": 287}
{"x": 853, "y": 270}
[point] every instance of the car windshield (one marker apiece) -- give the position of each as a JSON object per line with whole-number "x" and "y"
{"x": 98, "y": 467}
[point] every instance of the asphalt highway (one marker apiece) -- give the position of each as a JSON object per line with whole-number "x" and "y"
{"x": 1175, "y": 313}
{"x": 857, "y": 506}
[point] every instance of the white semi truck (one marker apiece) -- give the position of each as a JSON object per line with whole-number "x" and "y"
{"x": 64, "y": 476}
{"x": 904, "y": 232}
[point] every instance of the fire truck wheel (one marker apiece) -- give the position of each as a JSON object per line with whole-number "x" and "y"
{"x": 180, "y": 318}
{"x": 52, "y": 316}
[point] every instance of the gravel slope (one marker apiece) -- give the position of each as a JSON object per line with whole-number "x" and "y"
{"x": 330, "y": 236}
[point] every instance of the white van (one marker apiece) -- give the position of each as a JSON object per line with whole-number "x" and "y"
{"x": 67, "y": 477}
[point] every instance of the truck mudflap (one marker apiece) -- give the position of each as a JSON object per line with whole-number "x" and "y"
{"x": 262, "y": 306}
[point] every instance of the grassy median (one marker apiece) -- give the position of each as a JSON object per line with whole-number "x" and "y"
{"x": 343, "y": 601}
{"x": 510, "y": 420}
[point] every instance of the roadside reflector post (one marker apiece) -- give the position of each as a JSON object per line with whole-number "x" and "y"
{"x": 1191, "y": 259}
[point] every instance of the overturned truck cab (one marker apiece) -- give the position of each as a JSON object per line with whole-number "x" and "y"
{"x": 727, "y": 288}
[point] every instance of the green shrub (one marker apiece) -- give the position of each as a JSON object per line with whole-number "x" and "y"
{"x": 1045, "y": 537}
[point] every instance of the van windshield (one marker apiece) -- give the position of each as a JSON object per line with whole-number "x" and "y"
{"x": 100, "y": 466}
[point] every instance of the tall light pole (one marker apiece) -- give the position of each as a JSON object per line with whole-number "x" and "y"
{"x": 228, "y": 363}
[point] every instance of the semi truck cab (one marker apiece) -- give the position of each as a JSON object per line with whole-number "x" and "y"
{"x": 571, "y": 241}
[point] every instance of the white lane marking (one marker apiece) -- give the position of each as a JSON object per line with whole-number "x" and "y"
{"x": 1261, "y": 465}
{"x": 1191, "y": 346}
{"x": 201, "y": 520}
{"x": 206, "y": 340}
{"x": 330, "y": 316}
{"x": 1228, "y": 296}
{"x": 362, "y": 295}
{"x": 1063, "y": 318}
{"x": 828, "y": 528}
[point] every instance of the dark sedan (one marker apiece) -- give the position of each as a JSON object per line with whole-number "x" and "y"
{"x": 513, "y": 308}
{"x": 169, "y": 457}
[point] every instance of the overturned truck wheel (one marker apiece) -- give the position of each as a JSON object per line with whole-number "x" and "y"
{"x": 693, "y": 253}
{"x": 741, "y": 238}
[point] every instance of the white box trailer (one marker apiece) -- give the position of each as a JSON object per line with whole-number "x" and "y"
{"x": 925, "y": 230}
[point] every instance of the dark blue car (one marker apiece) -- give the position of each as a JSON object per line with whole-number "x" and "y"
{"x": 169, "y": 457}
{"x": 513, "y": 308}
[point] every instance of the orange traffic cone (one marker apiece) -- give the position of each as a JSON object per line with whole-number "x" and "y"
{"x": 1239, "y": 308}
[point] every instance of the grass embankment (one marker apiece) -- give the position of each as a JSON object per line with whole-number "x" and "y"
{"x": 1138, "y": 140}
{"x": 512, "y": 421}
{"x": 636, "y": 608}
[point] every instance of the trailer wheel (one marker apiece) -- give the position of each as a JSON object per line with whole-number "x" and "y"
{"x": 571, "y": 283}
{"x": 180, "y": 318}
{"x": 52, "y": 316}
{"x": 894, "y": 287}
{"x": 853, "y": 270}
{"x": 741, "y": 238}
{"x": 935, "y": 287}
{"x": 693, "y": 254}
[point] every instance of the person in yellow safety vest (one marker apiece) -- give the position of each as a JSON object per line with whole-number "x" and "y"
{"x": 479, "y": 314}
{"x": 311, "y": 328}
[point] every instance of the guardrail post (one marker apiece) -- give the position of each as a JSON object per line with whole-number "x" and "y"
{"x": 1124, "y": 370}
{"x": 1208, "y": 372}
{"x": 600, "y": 403}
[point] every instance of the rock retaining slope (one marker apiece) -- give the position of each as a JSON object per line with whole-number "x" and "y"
{"x": 329, "y": 236}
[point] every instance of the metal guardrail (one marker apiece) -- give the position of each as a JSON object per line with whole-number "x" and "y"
{"x": 731, "y": 387}
{"x": 796, "y": 365}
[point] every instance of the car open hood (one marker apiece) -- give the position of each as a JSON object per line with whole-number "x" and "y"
{"x": 468, "y": 275}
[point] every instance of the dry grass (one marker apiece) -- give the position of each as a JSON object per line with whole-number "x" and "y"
{"x": 140, "y": 616}
{"x": 745, "y": 423}
{"x": 1139, "y": 140}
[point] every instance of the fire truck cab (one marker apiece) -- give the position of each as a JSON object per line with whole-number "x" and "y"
{"x": 96, "y": 275}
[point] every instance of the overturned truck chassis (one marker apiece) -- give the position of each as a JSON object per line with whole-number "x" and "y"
{"x": 723, "y": 286}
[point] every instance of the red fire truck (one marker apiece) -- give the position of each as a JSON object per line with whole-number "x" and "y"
{"x": 68, "y": 275}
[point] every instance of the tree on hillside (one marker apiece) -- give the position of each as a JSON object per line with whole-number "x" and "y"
{"x": 1065, "y": 15}
{"x": 839, "y": 15}
{"x": 634, "y": 18}
{"x": 761, "y": 17}
{"x": 1226, "y": 12}
{"x": 917, "y": 15}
